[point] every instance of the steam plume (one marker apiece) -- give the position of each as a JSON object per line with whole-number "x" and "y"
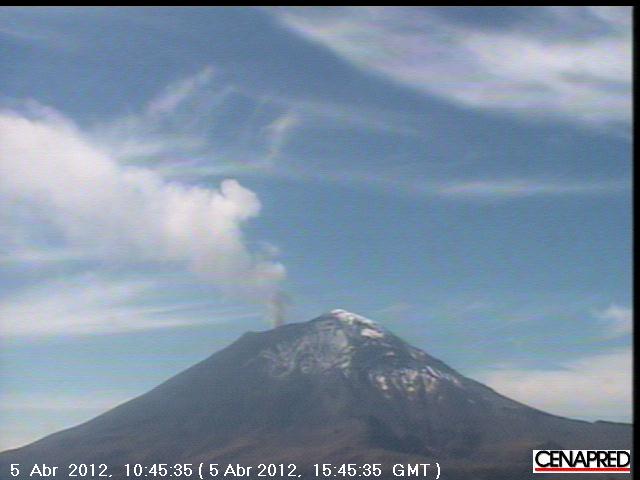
{"x": 278, "y": 305}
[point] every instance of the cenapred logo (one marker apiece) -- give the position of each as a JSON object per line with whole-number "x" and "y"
{"x": 581, "y": 461}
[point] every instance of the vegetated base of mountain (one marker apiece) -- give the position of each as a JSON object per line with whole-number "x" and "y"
{"x": 337, "y": 389}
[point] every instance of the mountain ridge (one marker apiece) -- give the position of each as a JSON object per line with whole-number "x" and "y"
{"x": 337, "y": 388}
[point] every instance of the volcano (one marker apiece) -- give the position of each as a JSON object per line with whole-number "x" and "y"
{"x": 337, "y": 389}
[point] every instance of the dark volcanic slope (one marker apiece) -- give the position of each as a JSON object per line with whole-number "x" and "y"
{"x": 339, "y": 388}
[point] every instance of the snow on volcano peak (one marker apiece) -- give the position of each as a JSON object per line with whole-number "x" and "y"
{"x": 352, "y": 318}
{"x": 368, "y": 332}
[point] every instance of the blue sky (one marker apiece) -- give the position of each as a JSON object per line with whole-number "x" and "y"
{"x": 462, "y": 175}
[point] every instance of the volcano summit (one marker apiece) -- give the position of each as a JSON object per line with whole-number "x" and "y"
{"x": 337, "y": 389}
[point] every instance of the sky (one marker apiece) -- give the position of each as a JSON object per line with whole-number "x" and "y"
{"x": 173, "y": 177}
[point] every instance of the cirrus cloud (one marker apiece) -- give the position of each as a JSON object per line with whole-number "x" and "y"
{"x": 617, "y": 320}
{"x": 594, "y": 387}
{"x": 572, "y": 63}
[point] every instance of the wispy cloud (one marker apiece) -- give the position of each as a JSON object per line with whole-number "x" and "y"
{"x": 616, "y": 320}
{"x": 173, "y": 136}
{"x": 514, "y": 188}
{"x": 26, "y": 26}
{"x": 92, "y": 304}
{"x": 592, "y": 387}
{"x": 278, "y": 131}
{"x": 97, "y": 401}
{"x": 39, "y": 256}
{"x": 204, "y": 125}
{"x": 178, "y": 93}
{"x": 26, "y": 417}
{"x": 172, "y": 126}
{"x": 572, "y": 62}
{"x": 495, "y": 189}
{"x": 201, "y": 121}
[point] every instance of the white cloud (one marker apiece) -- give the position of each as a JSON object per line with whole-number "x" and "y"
{"x": 592, "y": 387}
{"x": 80, "y": 191}
{"x": 42, "y": 256}
{"x": 461, "y": 190}
{"x": 513, "y": 188}
{"x": 617, "y": 320}
{"x": 97, "y": 401}
{"x": 186, "y": 125}
{"x": 278, "y": 131}
{"x": 27, "y": 417}
{"x": 173, "y": 124}
{"x": 90, "y": 304}
{"x": 172, "y": 136}
{"x": 575, "y": 65}
{"x": 187, "y": 130}
{"x": 178, "y": 93}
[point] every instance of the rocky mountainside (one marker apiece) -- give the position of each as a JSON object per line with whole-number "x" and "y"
{"x": 338, "y": 389}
